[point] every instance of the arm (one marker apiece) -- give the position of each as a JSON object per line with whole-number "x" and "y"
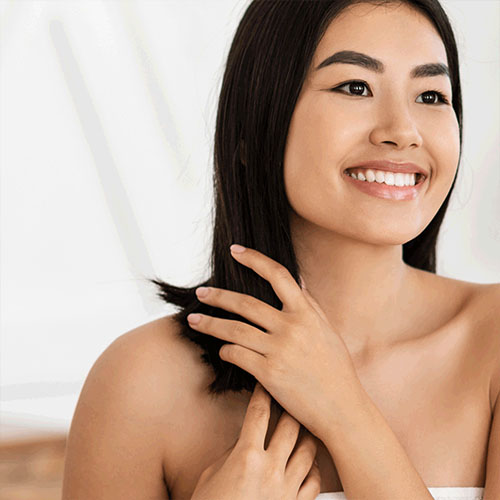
{"x": 113, "y": 448}
{"x": 371, "y": 462}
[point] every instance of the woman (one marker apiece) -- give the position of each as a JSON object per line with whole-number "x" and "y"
{"x": 337, "y": 146}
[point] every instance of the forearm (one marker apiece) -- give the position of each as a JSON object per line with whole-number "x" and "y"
{"x": 370, "y": 460}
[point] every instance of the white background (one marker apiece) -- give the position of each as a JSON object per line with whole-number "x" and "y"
{"x": 107, "y": 119}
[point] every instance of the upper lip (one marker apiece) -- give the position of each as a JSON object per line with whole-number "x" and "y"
{"x": 391, "y": 166}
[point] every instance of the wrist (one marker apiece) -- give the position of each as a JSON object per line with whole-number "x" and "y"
{"x": 349, "y": 403}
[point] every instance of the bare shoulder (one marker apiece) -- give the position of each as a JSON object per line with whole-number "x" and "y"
{"x": 486, "y": 317}
{"x": 121, "y": 423}
{"x": 477, "y": 306}
{"x": 482, "y": 316}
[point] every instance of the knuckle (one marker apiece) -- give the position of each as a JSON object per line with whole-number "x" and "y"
{"x": 275, "y": 473}
{"x": 304, "y": 456}
{"x": 310, "y": 442}
{"x": 296, "y": 332}
{"x": 291, "y": 421}
{"x": 291, "y": 427}
{"x": 250, "y": 458}
{"x": 278, "y": 367}
{"x": 260, "y": 410}
{"x": 281, "y": 271}
{"x": 238, "y": 329}
{"x": 307, "y": 449}
{"x": 247, "y": 303}
{"x": 291, "y": 433}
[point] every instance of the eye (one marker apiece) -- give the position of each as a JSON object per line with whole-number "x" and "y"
{"x": 440, "y": 97}
{"x": 356, "y": 88}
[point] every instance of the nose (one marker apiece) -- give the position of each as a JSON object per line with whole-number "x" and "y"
{"x": 395, "y": 125}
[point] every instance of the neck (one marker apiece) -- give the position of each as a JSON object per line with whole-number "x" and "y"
{"x": 366, "y": 291}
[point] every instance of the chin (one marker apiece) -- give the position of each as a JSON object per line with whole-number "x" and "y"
{"x": 386, "y": 234}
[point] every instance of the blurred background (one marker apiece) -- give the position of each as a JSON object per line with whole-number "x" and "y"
{"x": 107, "y": 112}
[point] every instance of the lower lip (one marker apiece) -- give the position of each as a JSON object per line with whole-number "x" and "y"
{"x": 382, "y": 190}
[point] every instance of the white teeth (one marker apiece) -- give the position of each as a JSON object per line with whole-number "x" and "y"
{"x": 389, "y": 178}
{"x": 399, "y": 179}
{"x": 379, "y": 176}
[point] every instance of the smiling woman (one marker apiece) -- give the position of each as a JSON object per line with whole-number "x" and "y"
{"x": 337, "y": 145}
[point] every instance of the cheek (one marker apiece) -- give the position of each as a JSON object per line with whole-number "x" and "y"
{"x": 311, "y": 162}
{"x": 316, "y": 145}
{"x": 443, "y": 144}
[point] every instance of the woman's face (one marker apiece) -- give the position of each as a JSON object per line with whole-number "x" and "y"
{"x": 392, "y": 117}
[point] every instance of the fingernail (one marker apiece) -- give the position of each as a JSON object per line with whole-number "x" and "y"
{"x": 237, "y": 248}
{"x": 202, "y": 291}
{"x": 194, "y": 318}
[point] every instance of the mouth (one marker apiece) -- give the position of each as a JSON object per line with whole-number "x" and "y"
{"x": 387, "y": 178}
{"x": 388, "y": 185}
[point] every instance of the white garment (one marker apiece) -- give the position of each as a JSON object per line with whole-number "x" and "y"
{"x": 439, "y": 493}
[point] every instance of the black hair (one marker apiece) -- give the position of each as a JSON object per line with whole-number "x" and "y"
{"x": 266, "y": 67}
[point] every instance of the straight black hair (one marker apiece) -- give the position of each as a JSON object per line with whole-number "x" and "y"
{"x": 266, "y": 67}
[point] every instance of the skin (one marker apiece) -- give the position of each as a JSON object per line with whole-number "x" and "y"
{"x": 399, "y": 332}
{"x": 345, "y": 240}
{"x": 435, "y": 393}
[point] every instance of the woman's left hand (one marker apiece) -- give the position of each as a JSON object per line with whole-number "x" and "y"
{"x": 300, "y": 360}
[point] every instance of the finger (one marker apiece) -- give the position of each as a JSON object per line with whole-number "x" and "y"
{"x": 232, "y": 331}
{"x": 302, "y": 458}
{"x": 254, "y": 429}
{"x": 284, "y": 438}
{"x": 311, "y": 486}
{"x": 248, "y": 360}
{"x": 255, "y": 310}
{"x": 278, "y": 276}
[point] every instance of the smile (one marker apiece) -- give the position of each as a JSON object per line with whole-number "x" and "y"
{"x": 387, "y": 185}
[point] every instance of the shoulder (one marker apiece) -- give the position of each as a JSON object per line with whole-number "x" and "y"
{"x": 154, "y": 366}
{"x": 477, "y": 310}
{"x": 127, "y": 406}
{"x": 484, "y": 320}
{"x": 487, "y": 319}
{"x": 484, "y": 312}
{"x": 140, "y": 367}
{"x": 154, "y": 349}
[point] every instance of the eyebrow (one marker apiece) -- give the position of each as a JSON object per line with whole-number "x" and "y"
{"x": 365, "y": 61}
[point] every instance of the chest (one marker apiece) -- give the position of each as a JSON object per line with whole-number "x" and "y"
{"x": 434, "y": 398}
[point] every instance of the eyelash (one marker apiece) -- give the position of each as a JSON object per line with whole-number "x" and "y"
{"x": 441, "y": 97}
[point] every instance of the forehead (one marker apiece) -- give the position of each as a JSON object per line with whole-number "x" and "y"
{"x": 391, "y": 32}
